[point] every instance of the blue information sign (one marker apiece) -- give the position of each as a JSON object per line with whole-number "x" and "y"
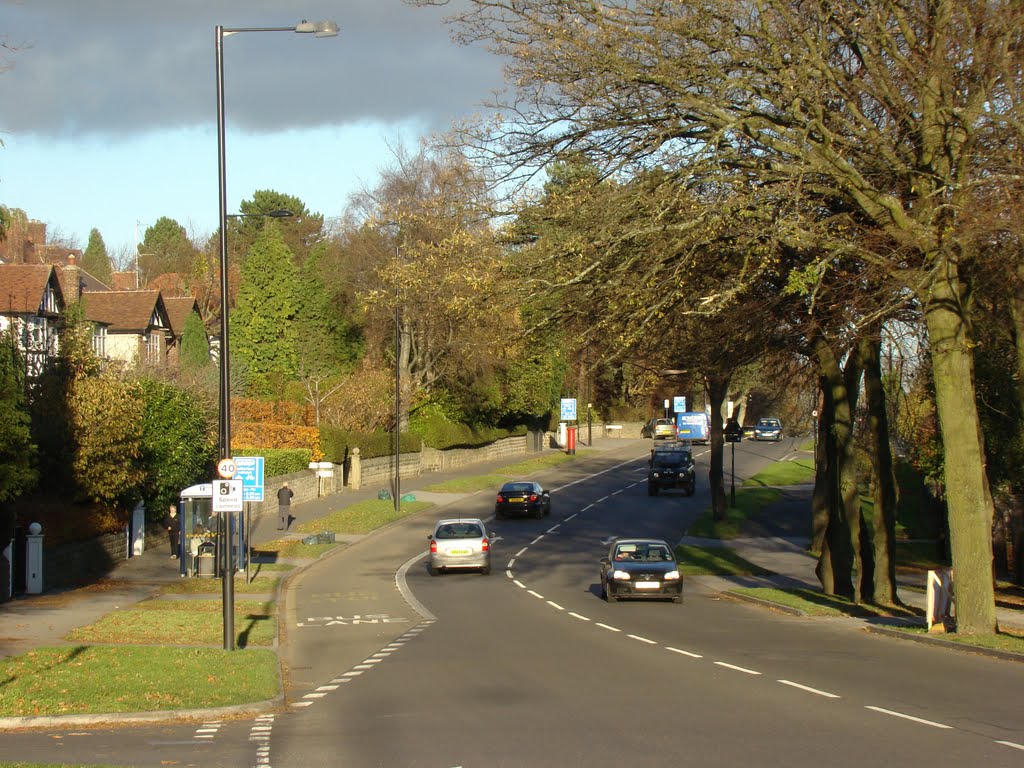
{"x": 250, "y": 472}
{"x": 679, "y": 403}
{"x": 568, "y": 409}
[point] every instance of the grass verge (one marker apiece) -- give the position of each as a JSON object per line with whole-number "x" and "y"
{"x": 799, "y": 472}
{"x": 361, "y": 517}
{"x": 182, "y": 622}
{"x": 815, "y": 603}
{"x": 101, "y": 679}
{"x": 494, "y": 480}
{"x": 748, "y": 502}
{"x": 1001, "y": 641}
{"x": 715, "y": 561}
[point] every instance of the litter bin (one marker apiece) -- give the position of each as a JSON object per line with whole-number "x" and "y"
{"x": 205, "y": 559}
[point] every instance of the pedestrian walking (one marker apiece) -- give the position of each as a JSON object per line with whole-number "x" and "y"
{"x": 284, "y": 506}
{"x": 173, "y": 524}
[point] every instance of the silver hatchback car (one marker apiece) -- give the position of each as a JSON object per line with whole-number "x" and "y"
{"x": 462, "y": 543}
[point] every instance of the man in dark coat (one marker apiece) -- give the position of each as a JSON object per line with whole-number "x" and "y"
{"x": 284, "y": 506}
{"x": 173, "y": 525}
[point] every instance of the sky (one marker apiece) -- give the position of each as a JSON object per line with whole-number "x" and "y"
{"x": 110, "y": 109}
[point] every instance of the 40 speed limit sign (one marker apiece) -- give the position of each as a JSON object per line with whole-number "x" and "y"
{"x": 226, "y": 468}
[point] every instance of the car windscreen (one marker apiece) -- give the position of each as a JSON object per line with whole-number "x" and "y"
{"x": 768, "y": 423}
{"x": 644, "y": 553}
{"x": 517, "y": 488}
{"x": 459, "y": 531}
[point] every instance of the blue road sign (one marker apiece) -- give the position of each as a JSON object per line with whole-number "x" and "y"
{"x": 568, "y": 409}
{"x": 250, "y": 472}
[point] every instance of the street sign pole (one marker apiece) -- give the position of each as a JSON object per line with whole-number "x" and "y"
{"x": 732, "y": 492}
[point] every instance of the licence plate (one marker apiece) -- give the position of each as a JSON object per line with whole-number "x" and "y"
{"x": 458, "y": 551}
{"x": 648, "y": 585}
{"x": 517, "y": 499}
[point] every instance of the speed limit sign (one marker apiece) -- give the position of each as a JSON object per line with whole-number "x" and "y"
{"x": 226, "y": 468}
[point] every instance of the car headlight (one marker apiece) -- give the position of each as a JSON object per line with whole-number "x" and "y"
{"x": 656, "y": 474}
{"x": 620, "y": 575}
{"x": 671, "y": 576}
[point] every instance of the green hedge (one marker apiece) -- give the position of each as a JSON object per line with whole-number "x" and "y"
{"x": 279, "y": 461}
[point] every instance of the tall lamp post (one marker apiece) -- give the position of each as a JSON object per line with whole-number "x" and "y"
{"x": 318, "y": 29}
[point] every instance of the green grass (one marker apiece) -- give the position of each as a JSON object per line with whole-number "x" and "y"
{"x": 715, "y": 561}
{"x": 815, "y": 603}
{"x": 494, "y": 480}
{"x": 1002, "y": 641}
{"x": 286, "y": 549}
{"x": 748, "y": 502}
{"x": 799, "y": 472}
{"x": 182, "y": 622}
{"x": 263, "y": 581}
{"x": 361, "y": 517}
{"x": 77, "y": 680}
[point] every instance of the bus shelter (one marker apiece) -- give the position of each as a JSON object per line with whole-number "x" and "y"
{"x": 203, "y": 533}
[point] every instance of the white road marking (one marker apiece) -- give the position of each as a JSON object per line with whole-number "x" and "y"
{"x": 537, "y": 539}
{"x": 684, "y": 653}
{"x": 555, "y": 605}
{"x": 520, "y": 552}
{"x": 738, "y": 669}
{"x": 314, "y": 695}
{"x": 605, "y": 626}
{"x": 325, "y": 688}
{"x": 570, "y": 517}
{"x": 536, "y": 594}
{"x": 614, "y": 493}
{"x": 509, "y": 574}
{"x": 578, "y": 616}
{"x": 553, "y": 529}
{"x": 1011, "y": 744}
{"x": 807, "y": 688}
{"x": 642, "y": 639}
{"x": 301, "y": 703}
{"x": 352, "y": 674}
{"x": 518, "y": 583}
{"x": 403, "y": 588}
{"x": 909, "y": 717}
{"x": 511, "y": 564}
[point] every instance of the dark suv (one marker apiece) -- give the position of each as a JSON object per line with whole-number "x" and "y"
{"x": 671, "y": 467}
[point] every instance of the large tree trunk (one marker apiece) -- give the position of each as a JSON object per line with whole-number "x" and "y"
{"x": 884, "y": 485}
{"x": 717, "y": 388}
{"x": 843, "y": 533}
{"x": 967, "y": 490}
{"x": 823, "y": 498}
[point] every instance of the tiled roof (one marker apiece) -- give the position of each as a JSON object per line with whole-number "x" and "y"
{"x": 178, "y": 310}
{"x": 22, "y": 287}
{"x": 86, "y": 282}
{"x": 123, "y": 311}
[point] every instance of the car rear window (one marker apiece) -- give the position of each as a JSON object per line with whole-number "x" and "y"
{"x": 517, "y": 488}
{"x": 459, "y": 531}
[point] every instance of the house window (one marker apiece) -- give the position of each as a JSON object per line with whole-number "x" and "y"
{"x": 99, "y": 340}
{"x": 153, "y": 349}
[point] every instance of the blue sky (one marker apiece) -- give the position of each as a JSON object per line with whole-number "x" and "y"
{"x": 110, "y": 108}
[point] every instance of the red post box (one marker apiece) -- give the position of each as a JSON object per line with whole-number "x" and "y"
{"x": 570, "y": 440}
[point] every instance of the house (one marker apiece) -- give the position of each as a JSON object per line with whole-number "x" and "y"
{"x": 178, "y": 310}
{"x": 133, "y": 326}
{"x": 31, "y": 303}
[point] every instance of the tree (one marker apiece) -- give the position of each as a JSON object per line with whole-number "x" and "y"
{"x": 195, "y": 345}
{"x": 165, "y": 248}
{"x": 301, "y": 231}
{"x": 262, "y": 329}
{"x": 17, "y": 450}
{"x": 178, "y": 444}
{"x": 95, "y": 259}
{"x": 895, "y": 108}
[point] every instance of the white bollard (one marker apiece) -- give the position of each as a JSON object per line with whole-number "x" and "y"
{"x": 34, "y": 560}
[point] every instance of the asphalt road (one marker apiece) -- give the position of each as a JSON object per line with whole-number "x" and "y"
{"x": 388, "y": 666}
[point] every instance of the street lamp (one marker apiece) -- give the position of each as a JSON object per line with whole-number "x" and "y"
{"x": 395, "y": 227}
{"x": 318, "y": 29}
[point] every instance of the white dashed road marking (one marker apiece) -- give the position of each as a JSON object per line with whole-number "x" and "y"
{"x": 738, "y": 669}
{"x": 684, "y": 653}
{"x": 826, "y": 694}
{"x": 933, "y": 724}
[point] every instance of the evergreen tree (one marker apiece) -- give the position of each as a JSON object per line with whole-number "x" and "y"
{"x": 17, "y": 451}
{"x": 195, "y": 346}
{"x": 96, "y": 260}
{"x": 261, "y": 330}
{"x": 165, "y": 248}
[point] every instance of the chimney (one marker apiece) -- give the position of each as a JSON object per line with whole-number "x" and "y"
{"x": 72, "y": 278}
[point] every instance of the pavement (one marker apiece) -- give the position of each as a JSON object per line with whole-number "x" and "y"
{"x": 29, "y": 622}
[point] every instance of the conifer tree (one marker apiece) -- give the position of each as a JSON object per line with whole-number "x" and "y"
{"x": 96, "y": 260}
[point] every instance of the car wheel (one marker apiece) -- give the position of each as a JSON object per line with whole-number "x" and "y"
{"x": 538, "y": 513}
{"x": 499, "y": 515}
{"x": 609, "y": 596}
{"x": 432, "y": 570}
{"x": 485, "y": 571}
{"x": 690, "y": 489}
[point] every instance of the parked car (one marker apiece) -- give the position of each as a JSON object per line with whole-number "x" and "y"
{"x": 671, "y": 466}
{"x": 459, "y": 543}
{"x": 659, "y": 429}
{"x": 522, "y": 497}
{"x": 640, "y": 568}
{"x": 768, "y": 429}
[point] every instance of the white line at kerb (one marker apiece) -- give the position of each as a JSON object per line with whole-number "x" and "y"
{"x": 909, "y": 717}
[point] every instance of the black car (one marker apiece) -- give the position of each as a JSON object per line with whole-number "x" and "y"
{"x": 641, "y": 568}
{"x": 522, "y": 497}
{"x": 671, "y": 467}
